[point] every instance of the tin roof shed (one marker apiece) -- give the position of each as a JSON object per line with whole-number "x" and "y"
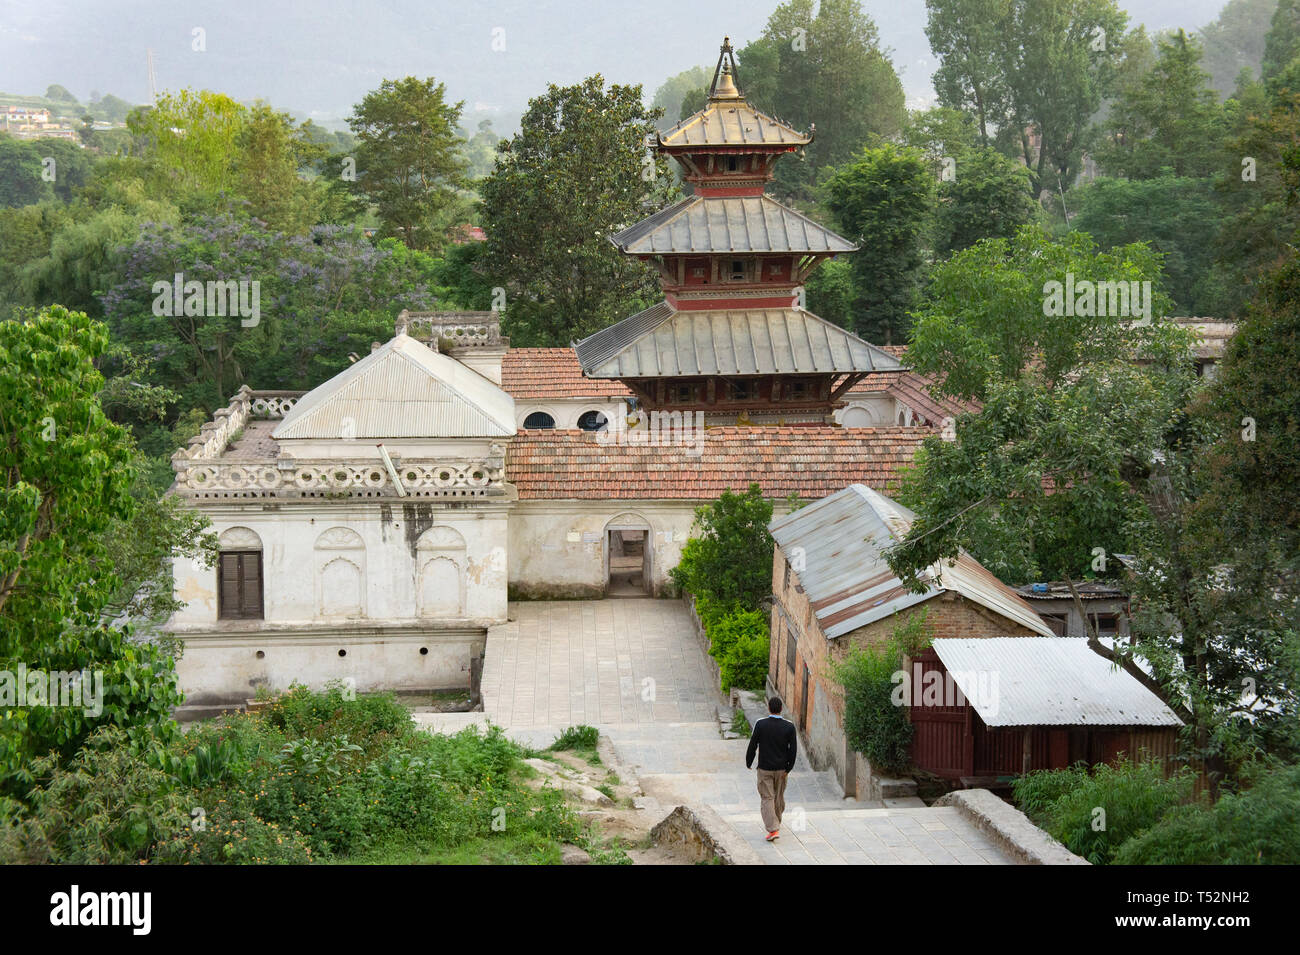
{"x": 1056, "y": 681}
{"x": 837, "y": 546}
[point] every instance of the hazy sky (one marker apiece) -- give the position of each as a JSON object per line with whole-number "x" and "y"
{"x": 319, "y": 57}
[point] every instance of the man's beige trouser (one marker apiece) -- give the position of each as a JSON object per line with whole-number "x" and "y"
{"x": 771, "y": 790}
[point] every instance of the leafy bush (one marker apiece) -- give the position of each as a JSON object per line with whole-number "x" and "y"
{"x": 139, "y": 693}
{"x": 728, "y": 559}
{"x": 577, "y": 737}
{"x": 1092, "y": 815}
{"x": 232, "y": 834}
{"x": 336, "y": 710}
{"x": 107, "y": 806}
{"x": 740, "y": 643}
{"x": 274, "y": 787}
{"x": 874, "y": 724}
{"x": 1260, "y": 826}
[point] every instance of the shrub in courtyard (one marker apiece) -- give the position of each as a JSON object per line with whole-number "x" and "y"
{"x": 874, "y": 724}
{"x": 729, "y": 556}
{"x": 739, "y": 642}
{"x": 1260, "y": 826}
{"x": 1093, "y": 814}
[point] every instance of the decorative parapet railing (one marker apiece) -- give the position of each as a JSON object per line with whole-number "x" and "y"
{"x": 364, "y": 479}
{"x": 215, "y": 436}
{"x": 453, "y": 329}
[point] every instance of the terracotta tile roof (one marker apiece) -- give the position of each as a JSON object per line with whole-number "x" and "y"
{"x": 540, "y": 373}
{"x": 809, "y": 461}
{"x": 913, "y": 391}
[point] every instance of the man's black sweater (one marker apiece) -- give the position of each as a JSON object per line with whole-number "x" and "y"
{"x": 776, "y": 742}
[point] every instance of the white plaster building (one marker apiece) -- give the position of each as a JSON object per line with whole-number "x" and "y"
{"x": 374, "y": 528}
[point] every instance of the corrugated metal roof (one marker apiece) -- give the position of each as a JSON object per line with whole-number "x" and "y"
{"x": 403, "y": 389}
{"x": 704, "y": 224}
{"x": 663, "y": 342}
{"x": 1048, "y": 681}
{"x": 731, "y": 122}
{"x": 842, "y": 539}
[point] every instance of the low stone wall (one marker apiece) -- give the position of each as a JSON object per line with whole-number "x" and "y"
{"x": 1009, "y": 828}
{"x": 714, "y": 672}
{"x": 699, "y": 832}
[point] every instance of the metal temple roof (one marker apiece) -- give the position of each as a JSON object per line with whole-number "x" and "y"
{"x": 731, "y": 122}
{"x": 663, "y": 342}
{"x": 840, "y": 542}
{"x": 1048, "y": 681}
{"x": 403, "y": 389}
{"x": 711, "y": 224}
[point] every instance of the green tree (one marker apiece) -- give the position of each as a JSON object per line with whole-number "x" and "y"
{"x": 673, "y": 94}
{"x": 409, "y": 163}
{"x": 1046, "y": 471}
{"x": 825, "y": 70}
{"x": 728, "y": 559}
{"x": 272, "y": 152}
{"x": 883, "y": 200}
{"x": 969, "y": 38}
{"x": 1178, "y": 217}
{"x": 1235, "y": 41}
{"x": 67, "y": 478}
{"x": 1282, "y": 42}
{"x": 1039, "y": 71}
{"x": 576, "y": 172}
{"x": 60, "y": 94}
{"x": 1170, "y": 121}
{"x": 986, "y": 196}
{"x": 191, "y": 141}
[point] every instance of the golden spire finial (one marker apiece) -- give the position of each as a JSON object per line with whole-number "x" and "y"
{"x": 724, "y": 74}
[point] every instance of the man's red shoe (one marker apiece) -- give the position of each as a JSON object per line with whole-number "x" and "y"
{"x": 774, "y": 834}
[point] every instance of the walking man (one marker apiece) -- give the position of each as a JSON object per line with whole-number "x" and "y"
{"x": 774, "y": 740}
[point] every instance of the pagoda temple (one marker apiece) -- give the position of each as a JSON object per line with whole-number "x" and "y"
{"x": 730, "y": 339}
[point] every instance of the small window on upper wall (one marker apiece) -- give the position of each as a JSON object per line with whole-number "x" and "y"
{"x": 733, "y": 164}
{"x": 1107, "y": 624}
{"x": 738, "y": 270}
{"x": 591, "y": 421}
{"x": 539, "y": 421}
{"x": 682, "y": 394}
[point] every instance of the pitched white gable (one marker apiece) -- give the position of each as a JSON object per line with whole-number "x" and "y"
{"x": 403, "y": 389}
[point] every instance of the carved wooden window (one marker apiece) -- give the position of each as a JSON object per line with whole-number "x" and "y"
{"x": 239, "y": 585}
{"x": 790, "y": 642}
{"x": 743, "y": 390}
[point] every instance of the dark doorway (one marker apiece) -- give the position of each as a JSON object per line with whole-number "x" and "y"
{"x": 628, "y": 551}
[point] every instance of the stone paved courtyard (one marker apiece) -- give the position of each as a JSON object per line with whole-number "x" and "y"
{"x": 561, "y": 663}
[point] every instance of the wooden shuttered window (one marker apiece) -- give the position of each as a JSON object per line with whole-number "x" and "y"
{"x": 239, "y": 585}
